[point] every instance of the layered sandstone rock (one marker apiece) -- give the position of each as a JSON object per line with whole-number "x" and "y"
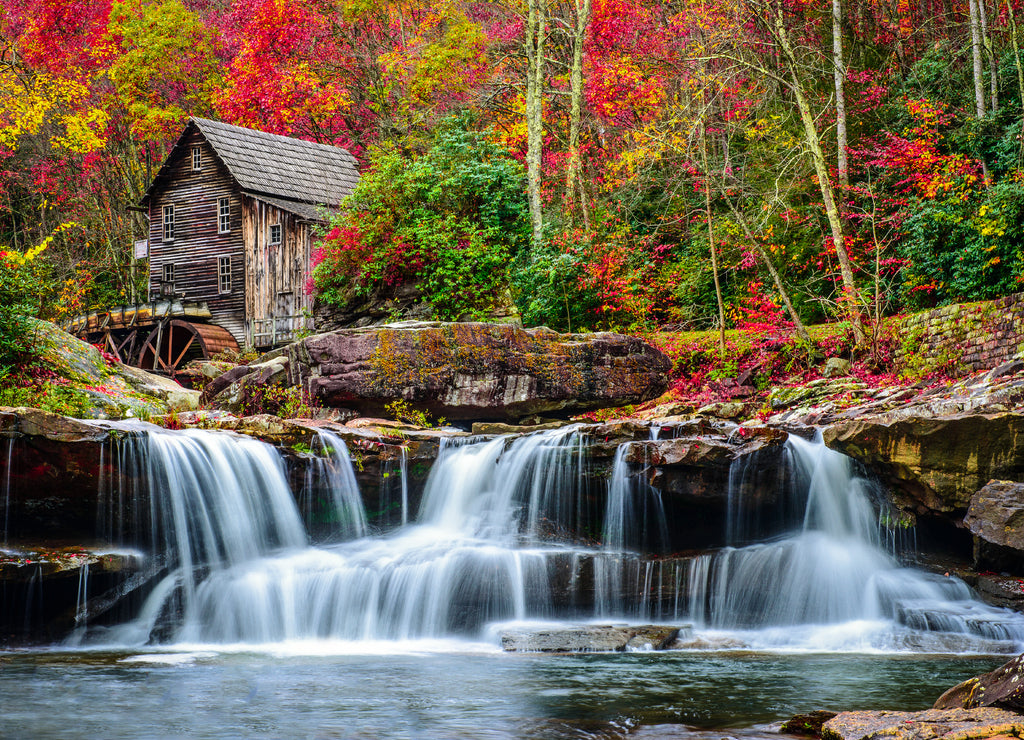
{"x": 936, "y": 463}
{"x": 1002, "y": 688}
{"x": 465, "y": 371}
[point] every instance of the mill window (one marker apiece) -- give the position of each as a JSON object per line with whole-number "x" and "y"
{"x": 224, "y": 274}
{"x": 275, "y": 233}
{"x": 168, "y": 223}
{"x": 223, "y": 216}
{"x": 197, "y": 158}
{"x": 167, "y": 279}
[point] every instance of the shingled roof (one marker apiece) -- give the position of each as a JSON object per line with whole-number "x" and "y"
{"x": 278, "y": 169}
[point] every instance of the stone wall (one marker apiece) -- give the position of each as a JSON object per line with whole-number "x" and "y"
{"x": 965, "y": 337}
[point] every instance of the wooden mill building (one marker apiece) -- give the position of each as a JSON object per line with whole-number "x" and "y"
{"x": 231, "y": 213}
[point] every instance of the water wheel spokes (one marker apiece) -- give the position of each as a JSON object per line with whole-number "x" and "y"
{"x": 121, "y": 344}
{"x": 175, "y": 342}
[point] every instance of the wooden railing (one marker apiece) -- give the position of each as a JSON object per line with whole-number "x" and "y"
{"x": 276, "y": 330}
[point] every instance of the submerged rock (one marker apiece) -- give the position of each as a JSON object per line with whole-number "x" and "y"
{"x": 1003, "y": 688}
{"x": 468, "y": 371}
{"x": 808, "y": 723}
{"x": 591, "y": 638}
{"x": 948, "y": 724}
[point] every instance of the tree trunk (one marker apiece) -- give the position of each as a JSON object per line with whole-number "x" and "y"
{"x": 1020, "y": 67}
{"x": 1016, "y": 49}
{"x": 979, "y": 82}
{"x": 573, "y": 170}
{"x": 850, "y": 297}
{"x": 993, "y": 66}
{"x": 711, "y": 243}
{"x": 839, "y": 72}
{"x": 536, "y": 29}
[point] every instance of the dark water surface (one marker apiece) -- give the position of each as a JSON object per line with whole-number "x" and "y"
{"x": 449, "y": 694}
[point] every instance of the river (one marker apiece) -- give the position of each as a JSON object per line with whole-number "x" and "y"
{"x": 447, "y": 692}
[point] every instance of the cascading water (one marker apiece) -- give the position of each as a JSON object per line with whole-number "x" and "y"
{"x": 521, "y": 529}
{"x": 219, "y": 503}
{"x": 827, "y": 582}
{"x": 242, "y": 569}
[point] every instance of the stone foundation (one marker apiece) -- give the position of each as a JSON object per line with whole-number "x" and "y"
{"x": 963, "y": 338}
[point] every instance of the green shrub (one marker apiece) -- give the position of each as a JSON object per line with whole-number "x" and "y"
{"x": 22, "y": 281}
{"x": 964, "y": 250}
{"x": 58, "y": 399}
{"x": 448, "y": 221}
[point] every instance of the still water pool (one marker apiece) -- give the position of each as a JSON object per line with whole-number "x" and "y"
{"x": 448, "y": 693}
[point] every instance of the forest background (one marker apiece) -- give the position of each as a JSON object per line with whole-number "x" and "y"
{"x": 637, "y": 165}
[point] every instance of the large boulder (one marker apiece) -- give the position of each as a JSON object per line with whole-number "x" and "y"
{"x": 465, "y": 371}
{"x": 996, "y": 519}
{"x": 113, "y": 390}
{"x": 1002, "y": 688}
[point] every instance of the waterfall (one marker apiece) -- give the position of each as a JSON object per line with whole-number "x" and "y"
{"x": 403, "y": 473}
{"x": 219, "y": 502}
{"x": 634, "y": 513}
{"x": 243, "y": 568}
{"x": 520, "y": 529}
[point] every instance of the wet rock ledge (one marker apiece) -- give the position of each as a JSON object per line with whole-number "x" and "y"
{"x": 58, "y": 471}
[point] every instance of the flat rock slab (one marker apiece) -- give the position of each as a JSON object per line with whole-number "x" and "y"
{"x": 948, "y": 724}
{"x": 29, "y": 563}
{"x": 590, "y": 639}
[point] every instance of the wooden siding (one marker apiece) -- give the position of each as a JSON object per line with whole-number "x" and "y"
{"x": 197, "y": 245}
{"x": 275, "y": 274}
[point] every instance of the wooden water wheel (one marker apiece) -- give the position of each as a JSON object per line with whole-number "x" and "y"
{"x": 174, "y": 343}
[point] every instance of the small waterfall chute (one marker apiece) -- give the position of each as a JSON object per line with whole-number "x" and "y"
{"x": 832, "y": 570}
{"x": 330, "y": 468}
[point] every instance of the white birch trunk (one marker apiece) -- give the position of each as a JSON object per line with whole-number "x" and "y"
{"x": 839, "y": 71}
{"x": 535, "y": 36}
{"x": 979, "y": 81}
{"x": 573, "y": 170}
